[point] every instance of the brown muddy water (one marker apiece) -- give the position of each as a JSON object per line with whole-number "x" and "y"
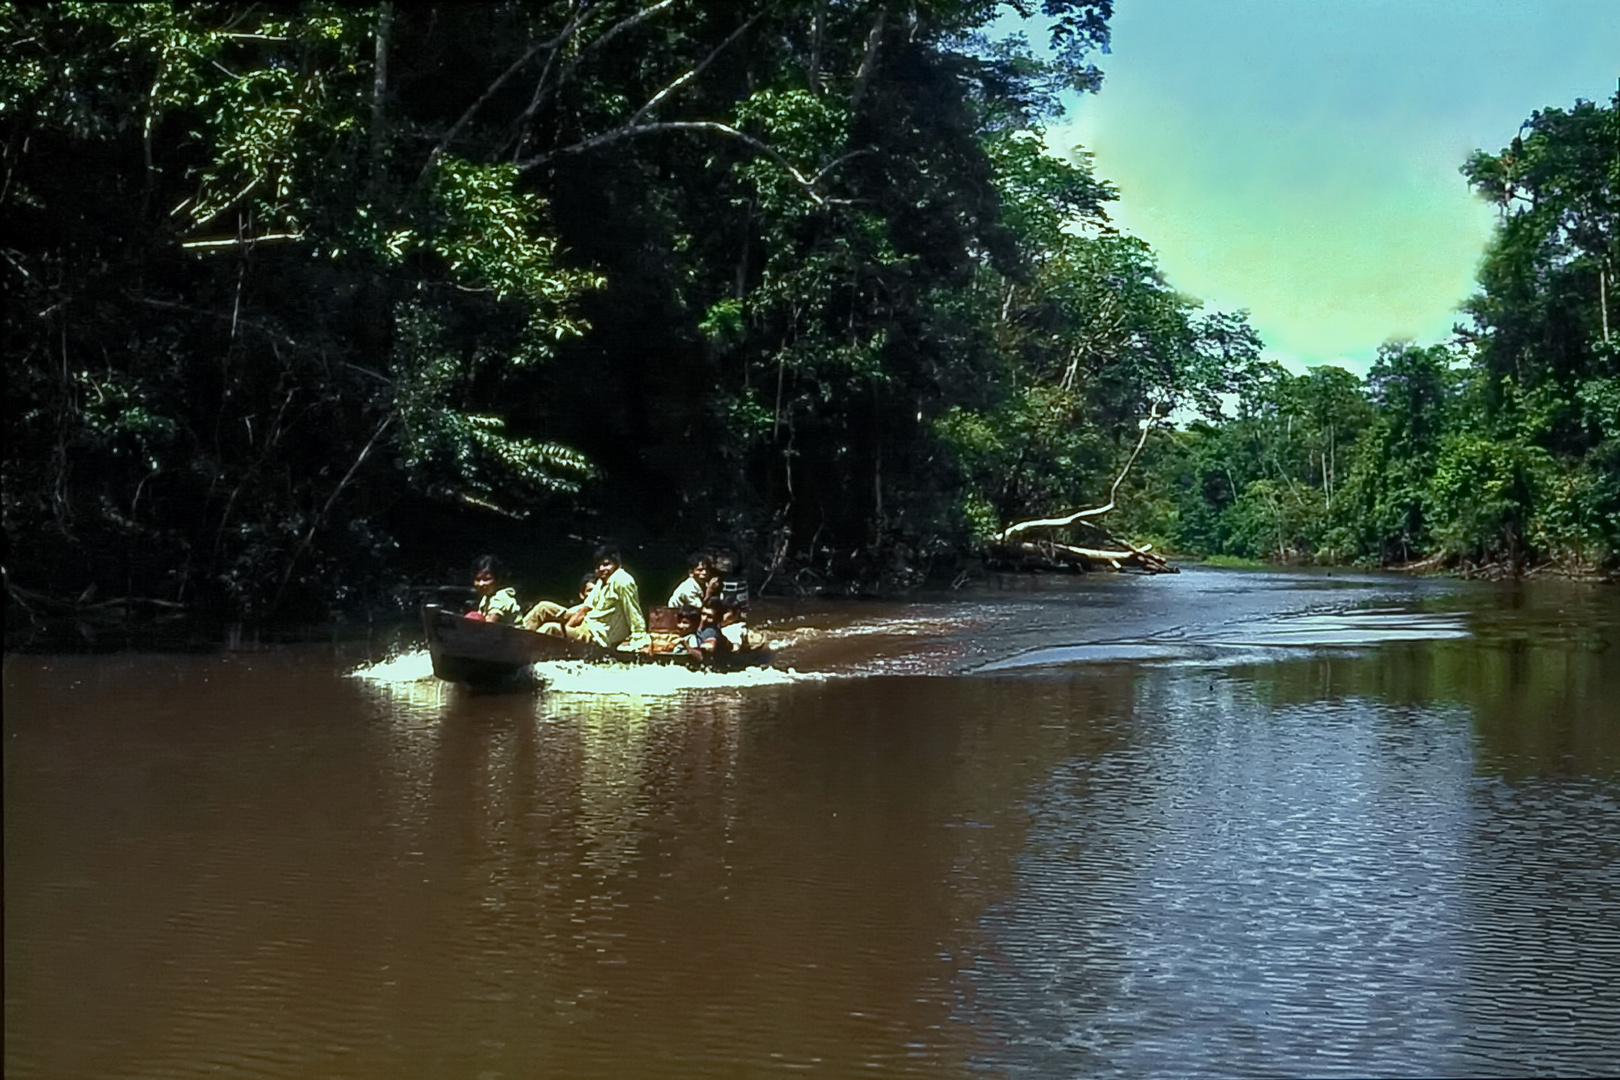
{"x": 1221, "y": 823}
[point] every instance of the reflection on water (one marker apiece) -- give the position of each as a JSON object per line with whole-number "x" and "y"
{"x": 1323, "y": 888}
{"x": 1213, "y": 825}
{"x": 1258, "y": 638}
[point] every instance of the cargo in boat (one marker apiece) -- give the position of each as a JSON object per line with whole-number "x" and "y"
{"x": 482, "y": 653}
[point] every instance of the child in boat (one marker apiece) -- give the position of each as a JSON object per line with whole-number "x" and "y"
{"x": 495, "y": 603}
{"x": 734, "y": 629}
{"x": 549, "y": 611}
{"x": 695, "y": 588}
{"x": 725, "y": 583}
{"x": 707, "y": 644}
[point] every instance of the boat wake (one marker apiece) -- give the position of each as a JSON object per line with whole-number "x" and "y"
{"x": 1243, "y": 642}
{"x": 652, "y": 680}
{"x": 582, "y": 677}
{"x": 408, "y": 667}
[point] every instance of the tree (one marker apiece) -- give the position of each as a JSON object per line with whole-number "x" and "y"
{"x": 1502, "y": 448}
{"x": 249, "y": 342}
{"x": 1389, "y": 494}
{"x": 318, "y": 286}
{"x": 1543, "y": 332}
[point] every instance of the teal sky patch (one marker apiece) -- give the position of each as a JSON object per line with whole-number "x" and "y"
{"x": 1299, "y": 158}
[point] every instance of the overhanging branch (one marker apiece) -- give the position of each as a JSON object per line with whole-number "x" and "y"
{"x": 623, "y": 132}
{"x": 1097, "y": 511}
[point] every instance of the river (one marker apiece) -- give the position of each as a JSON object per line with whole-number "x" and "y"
{"x": 1212, "y": 824}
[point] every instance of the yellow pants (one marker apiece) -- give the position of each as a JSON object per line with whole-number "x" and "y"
{"x": 572, "y": 633}
{"x": 544, "y": 612}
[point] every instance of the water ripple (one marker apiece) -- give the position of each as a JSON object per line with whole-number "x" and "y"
{"x": 1317, "y": 890}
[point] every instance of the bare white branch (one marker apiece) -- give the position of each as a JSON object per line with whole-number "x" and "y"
{"x": 1097, "y": 511}
{"x": 623, "y": 25}
{"x": 654, "y": 101}
{"x": 868, "y": 61}
{"x": 623, "y": 132}
{"x": 241, "y": 241}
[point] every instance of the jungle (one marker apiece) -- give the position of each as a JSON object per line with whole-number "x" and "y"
{"x": 306, "y": 304}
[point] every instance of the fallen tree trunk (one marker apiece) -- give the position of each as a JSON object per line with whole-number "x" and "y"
{"x": 35, "y": 618}
{"x": 1111, "y": 551}
{"x": 1050, "y": 554}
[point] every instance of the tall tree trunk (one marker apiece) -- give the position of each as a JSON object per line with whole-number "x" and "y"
{"x": 1603, "y": 297}
{"x": 379, "y": 93}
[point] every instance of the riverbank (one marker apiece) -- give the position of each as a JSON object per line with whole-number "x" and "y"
{"x": 40, "y": 623}
{"x": 1568, "y": 569}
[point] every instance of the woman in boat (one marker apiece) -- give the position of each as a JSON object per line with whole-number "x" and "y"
{"x": 495, "y": 602}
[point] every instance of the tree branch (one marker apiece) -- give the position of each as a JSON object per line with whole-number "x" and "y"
{"x": 472, "y": 110}
{"x": 240, "y": 241}
{"x": 682, "y": 80}
{"x": 379, "y": 90}
{"x": 365, "y": 452}
{"x": 868, "y": 61}
{"x": 623, "y": 132}
{"x": 628, "y": 23}
{"x": 1097, "y": 511}
{"x": 568, "y": 31}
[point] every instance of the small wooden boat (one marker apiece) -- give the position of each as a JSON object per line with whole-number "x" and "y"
{"x": 490, "y": 654}
{"x": 470, "y": 651}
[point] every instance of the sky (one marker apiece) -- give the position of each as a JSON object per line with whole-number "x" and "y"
{"x": 1298, "y": 158}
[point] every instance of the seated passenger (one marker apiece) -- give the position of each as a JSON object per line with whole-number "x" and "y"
{"x": 735, "y": 630}
{"x": 495, "y": 604}
{"x": 691, "y": 592}
{"x": 726, "y": 583}
{"x": 612, "y": 615}
{"x": 549, "y": 611}
{"x": 707, "y": 643}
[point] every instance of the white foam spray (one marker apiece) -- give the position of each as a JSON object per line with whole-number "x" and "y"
{"x": 579, "y": 677}
{"x": 406, "y": 667}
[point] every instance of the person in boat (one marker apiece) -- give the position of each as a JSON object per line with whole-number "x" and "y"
{"x": 549, "y": 611}
{"x": 726, "y": 583}
{"x": 694, "y": 589}
{"x": 495, "y": 603}
{"x": 734, "y": 628}
{"x": 707, "y": 643}
{"x": 612, "y": 617}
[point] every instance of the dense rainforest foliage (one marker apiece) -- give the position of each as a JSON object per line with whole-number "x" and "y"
{"x": 307, "y": 302}
{"x": 1500, "y": 449}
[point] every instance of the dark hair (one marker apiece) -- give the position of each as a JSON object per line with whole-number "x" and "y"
{"x": 586, "y": 579}
{"x": 701, "y": 558}
{"x": 490, "y": 563}
{"x": 608, "y": 553}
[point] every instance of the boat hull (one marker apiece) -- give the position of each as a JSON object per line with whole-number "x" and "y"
{"x": 471, "y": 651}
{"x": 491, "y": 654}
